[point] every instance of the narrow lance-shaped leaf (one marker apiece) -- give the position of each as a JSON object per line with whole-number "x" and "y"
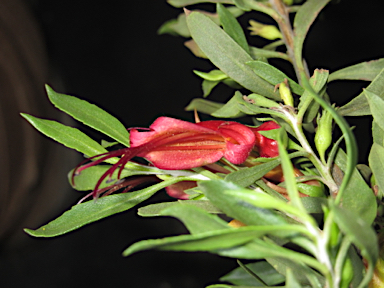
{"x": 376, "y": 162}
{"x": 303, "y": 21}
{"x": 210, "y": 241}
{"x": 363, "y": 71}
{"x": 226, "y": 54}
{"x": 361, "y": 234}
{"x": 90, "y": 115}
{"x": 232, "y": 27}
{"x": 274, "y": 75}
{"x": 376, "y": 105}
{"x": 91, "y": 211}
{"x": 195, "y": 219}
{"x": 245, "y": 275}
{"x": 157, "y": 208}
{"x": 359, "y": 105}
{"x": 203, "y": 106}
{"x": 183, "y": 3}
{"x": 68, "y": 136}
{"x": 357, "y": 196}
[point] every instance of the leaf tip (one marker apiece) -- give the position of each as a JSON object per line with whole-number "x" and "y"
{"x": 187, "y": 12}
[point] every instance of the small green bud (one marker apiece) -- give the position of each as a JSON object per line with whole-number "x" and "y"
{"x": 261, "y": 101}
{"x": 285, "y": 93}
{"x": 346, "y": 273}
{"x": 269, "y": 32}
{"x": 323, "y": 137}
{"x": 288, "y": 2}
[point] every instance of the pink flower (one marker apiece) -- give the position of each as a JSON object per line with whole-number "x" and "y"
{"x": 173, "y": 144}
{"x": 265, "y": 146}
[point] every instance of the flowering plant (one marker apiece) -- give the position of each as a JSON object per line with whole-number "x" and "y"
{"x": 284, "y": 194}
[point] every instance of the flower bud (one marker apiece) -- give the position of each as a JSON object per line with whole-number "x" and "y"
{"x": 261, "y": 101}
{"x": 323, "y": 137}
{"x": 269, "y": 32}
{"x": 346, "y": 273}
{"x": 285, "y": 93}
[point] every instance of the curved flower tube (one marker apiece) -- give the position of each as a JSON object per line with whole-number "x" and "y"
{"x": 173, "y": 144}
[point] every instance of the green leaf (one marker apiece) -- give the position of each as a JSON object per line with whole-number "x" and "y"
{"x": 258, "y": 53}
{"x": 310, "y": 106}
{"x": 377, "y": 133}
{"x": 91, "y": 211}
{"x": 361, "y": 234}
{"x": 195, "y": 219}
{"x": 68, "y": 136}
{"x": 213, "y": 75}
{"x": 274, "y": 75}
{"x": 207, "y": 87}
{"x": 232, "y": 27}
{"x": 376, "y": 105}
{"x": 203, "y": 106}
{"x": 219, "y": 193}
{"x": 366, "y": 71}
{"x": 175, "y": 27}
{"x": 207, "y": 241}
{"x": 248, "y": 176}
{"x": 376, "y": 162}
{"x": 183, "y": 3}
{"x": 359, "y": 106}
{"x": 304, "y": 274}
{"x": 291, "y": 280}
{"x": 262, "y": 269}
{"x": 90, "y": 115}
{"x": 179, "y": 26}
{"x": 155, "y": 209}
{"x": 260, "y": 249}
{"x": 304, "y": 18}
{"x": 358, "y": 196}
{"x": 226, "y": 54}
{"x": 230, "y": 109}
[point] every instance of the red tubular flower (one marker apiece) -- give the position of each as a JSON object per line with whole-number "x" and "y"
{"x": 173, "y": 144}
{"x": 265, "y": 146}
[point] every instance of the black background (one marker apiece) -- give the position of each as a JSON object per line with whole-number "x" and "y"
{"x": 111, "y": 55}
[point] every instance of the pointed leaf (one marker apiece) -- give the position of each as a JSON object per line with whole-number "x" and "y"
{"x": 183, "y": 3}
{"x": 262, "y": 269}
{"x": 359, "y": 106}
{"x": 195, "y": 219}
{"x": 90, "y": 115}
{"x": 377, "y": 133}
{"x": 230, "y": 109}
{"x": 68, "y": 136}
{"x": 376, "y": 162}
{"x": 274, "y": 75}
{"x": 218, "y": 192}
{"x": 360, "y": 233}
{"x": 363, "y": 71}
{"x": 213, "y": 75}
{"x": 207, "y": 241}
{"x": 203, "y": 106}
{"x": 358, "y": 196}
{"x": 304, "y": 18}
{"x": 248, "y": 176}
{"x": 91, "y": 211}
{"x": 257, "y": 53}
{"x": 376, "y": 105}
{"x": 318, "y": 82}
{"x": 232, "y": 27}
{"x": 226, "y": 54}
{"x": 155, "y": 209}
